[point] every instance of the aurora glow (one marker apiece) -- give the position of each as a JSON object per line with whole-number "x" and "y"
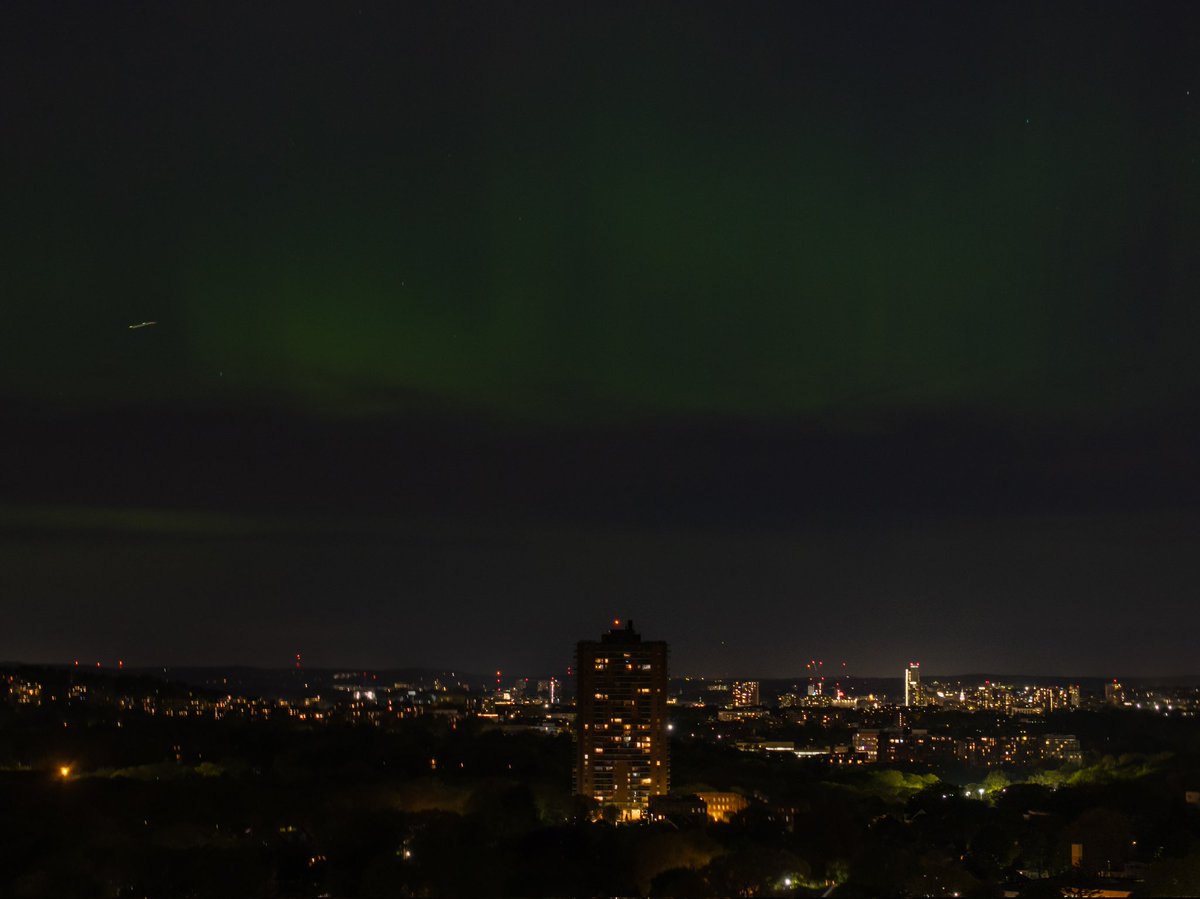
{"x": 672, "y": 266}
{"x": 675, "y": 210}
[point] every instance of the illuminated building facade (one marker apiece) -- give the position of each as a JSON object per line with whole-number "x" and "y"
{"x": 549, "y": 691}
{"x": 744, "y": 692}
{"x": 866, "y": 742}
{"x": 1062, "y": 747}
{"x": 912, "y": 685}
{"x": 621, "y": 741}
{"x": 1051, "y": 699}
{"x": 722, "y": 807}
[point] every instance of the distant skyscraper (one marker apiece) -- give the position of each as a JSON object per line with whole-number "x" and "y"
{"x": 912, "y": 685}
{"x": 744, "y": 692}
{"x": 621, "y": 741}
{"x": 549, "y": 690}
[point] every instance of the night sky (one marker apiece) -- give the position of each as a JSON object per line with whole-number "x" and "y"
{"x": 852, "y": 331}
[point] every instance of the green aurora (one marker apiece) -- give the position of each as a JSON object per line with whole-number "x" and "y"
{"x": 771, "y": 232}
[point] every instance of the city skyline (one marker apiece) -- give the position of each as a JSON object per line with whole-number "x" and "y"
{"x": 716, "y": 775}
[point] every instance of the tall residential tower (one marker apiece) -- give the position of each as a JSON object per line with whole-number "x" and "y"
{"x": 621, "y": 746}
{"x": 912, "y": 685}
